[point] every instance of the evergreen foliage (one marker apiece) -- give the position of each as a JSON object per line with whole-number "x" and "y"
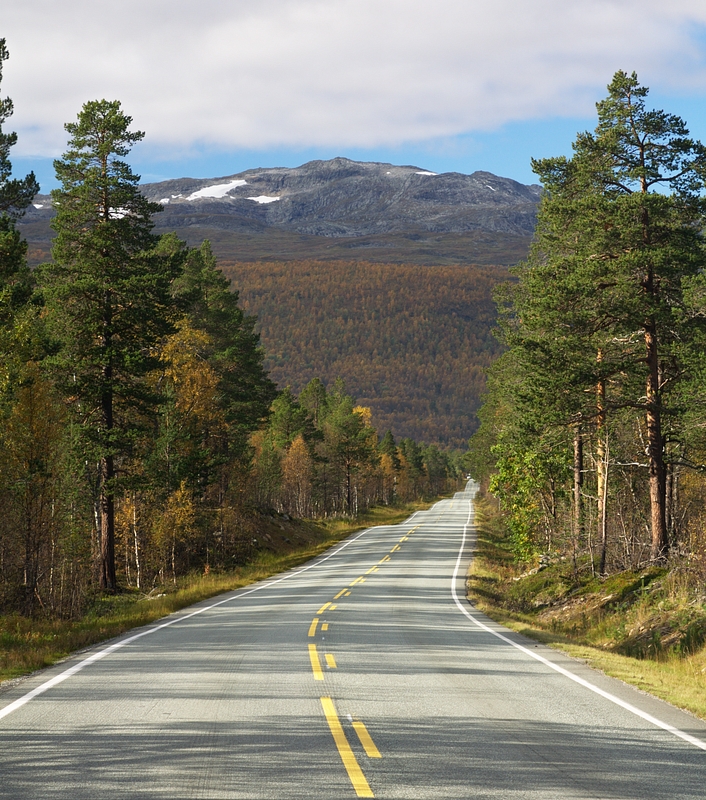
{"x": 15, "y": 193}
{"x": 107, "y": 295}
{"x": 587, "y": 418}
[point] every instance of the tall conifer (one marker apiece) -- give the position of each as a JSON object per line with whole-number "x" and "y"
{"x": 108, "y": 295}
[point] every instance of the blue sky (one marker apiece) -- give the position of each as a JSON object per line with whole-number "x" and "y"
{"x": 458, "y": 85}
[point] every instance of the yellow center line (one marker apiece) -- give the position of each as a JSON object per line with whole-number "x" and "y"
{"x": 312, "y": 627}
{"x": 324, "y": 627}
{"x": 383, "y": 560}
{"x": 333, "y": 607}
{"x": 372, "y": 569}
{"x": 404, "y": 538}
{"x": 366, "y": 740}
{"x": 355, "y": 773}
{"x": 342, "y": 592}
{"x": 347, "y": 592}
{"x": 322, "y": 609}
{"x": 396, "y": 547}
{"x": 359, "y": 579}
{"x": 315, "y": 663}
{"x": 330, "y": 661}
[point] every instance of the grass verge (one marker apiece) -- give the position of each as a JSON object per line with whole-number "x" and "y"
{"x": 645, "y": 628}
{"x": 28, "y": 644}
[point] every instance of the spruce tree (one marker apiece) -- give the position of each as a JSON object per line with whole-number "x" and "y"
{"x": 108, "y": 297}
{"x": 205, "y": 293}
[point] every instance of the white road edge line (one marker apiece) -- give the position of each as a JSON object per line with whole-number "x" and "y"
{"x": 537, "y": 657}
{"x": 62, "y": 676}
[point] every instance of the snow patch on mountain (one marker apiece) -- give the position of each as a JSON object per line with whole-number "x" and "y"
{"x": 217, "y": 190}
{"x": 263, "y": 198}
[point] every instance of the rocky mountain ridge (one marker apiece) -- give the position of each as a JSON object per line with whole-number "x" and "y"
{"x": 341, "y": 205}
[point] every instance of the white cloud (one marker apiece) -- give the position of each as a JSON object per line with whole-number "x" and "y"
{"x": 350, "y": 73}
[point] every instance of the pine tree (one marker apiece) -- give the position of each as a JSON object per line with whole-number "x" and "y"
{"x": 601, "y": 318}
{"x": 15, "y": 278}
{"x": 644, "y": 175}
{"x": 15, "y": 196}
{"x": 108, "y": 296}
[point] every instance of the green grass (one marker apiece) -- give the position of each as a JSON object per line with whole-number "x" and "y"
{"x": 646, "y": 628}
{"x": 28, "y": 644}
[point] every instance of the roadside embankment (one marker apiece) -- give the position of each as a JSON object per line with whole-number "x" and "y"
{"x": 30, "y": 643}
{"x": 647, "y": 628}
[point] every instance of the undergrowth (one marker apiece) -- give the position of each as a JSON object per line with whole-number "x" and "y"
{"x": 647, "y": 628}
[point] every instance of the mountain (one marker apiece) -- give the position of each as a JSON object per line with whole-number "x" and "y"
{"x": 340, "y": 209}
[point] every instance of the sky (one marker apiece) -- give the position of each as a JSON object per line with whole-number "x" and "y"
{"x": 220, "y": 86}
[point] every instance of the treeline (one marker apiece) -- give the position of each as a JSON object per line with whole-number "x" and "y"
{"x": 592, "y": 433}
{"x": 411, "y": 342}
{"x": 140, "y": 434}
{"x": 319, "y": 455}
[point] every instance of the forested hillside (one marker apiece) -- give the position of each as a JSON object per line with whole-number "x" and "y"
{"x": 410, "y": 342}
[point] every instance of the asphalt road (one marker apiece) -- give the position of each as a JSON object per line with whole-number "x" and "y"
{"x": 364, "y": 673}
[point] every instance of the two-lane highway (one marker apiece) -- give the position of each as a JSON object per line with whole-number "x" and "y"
{"x": 364, "y": 673}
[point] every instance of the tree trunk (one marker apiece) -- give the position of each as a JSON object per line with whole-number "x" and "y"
{"x": 601, "y": 470}
{"x": 578, "y": 486}
{"x": 108, "y": 579}
{"x": 136, "y": 541}
{"x": 655, "y": 451}
{"x": 348, "y": 487}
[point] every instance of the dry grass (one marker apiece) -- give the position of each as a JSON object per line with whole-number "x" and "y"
{"x": 28, "y": 644}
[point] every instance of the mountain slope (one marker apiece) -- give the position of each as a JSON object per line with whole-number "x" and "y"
{"x": 342, "y": 209}
{"x": 411, "y": 342}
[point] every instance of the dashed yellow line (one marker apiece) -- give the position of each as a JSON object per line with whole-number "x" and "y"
{"x": 372, "y": 569}
{"x": 333, "y": 607}
{"x": 324, "y": 627}
{"x": 342, "y": 592}
{"x": 330, "y": 661}
{"x": 355, "y": 773}
{"x": 366, "y": 740}
{"x": 396, "y": 547}
{"x": 315, "y": 663}
{"x": 359, "y": 579}
{"x": 383, "y": 560}
{"x": 322, "y": 609}
{"x": 312, "y": 627}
